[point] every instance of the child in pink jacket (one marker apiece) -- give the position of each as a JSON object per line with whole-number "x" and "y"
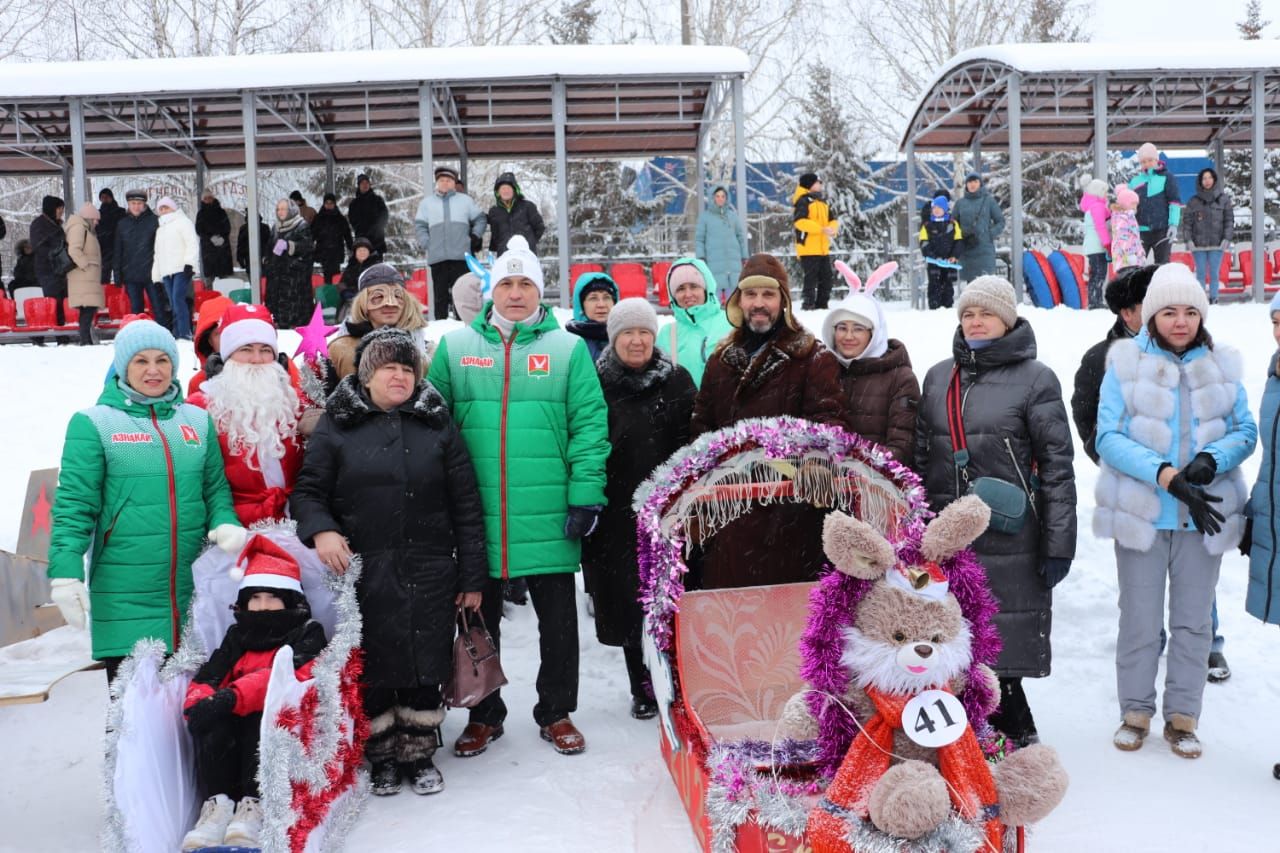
{"x": 1126, "y": 240}
{"x": 1097, "y": 236}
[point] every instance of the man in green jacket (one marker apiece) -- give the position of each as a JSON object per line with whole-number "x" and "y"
{"x": 527, "y": 400}
{"x": 700, "y": 322}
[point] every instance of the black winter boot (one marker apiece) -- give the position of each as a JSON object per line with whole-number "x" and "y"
{"x": 424, "y": 777}
{"x": 384, "y": 779}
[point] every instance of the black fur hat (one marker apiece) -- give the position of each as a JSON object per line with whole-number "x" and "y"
{"x": 387, "y": 345}
{"x": 1129, "y": 287}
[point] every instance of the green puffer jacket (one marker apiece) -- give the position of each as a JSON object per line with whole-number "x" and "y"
{"x": 693, "y": 336}
{"x": 534, "y": 419}
{"x": 141, "y": 484}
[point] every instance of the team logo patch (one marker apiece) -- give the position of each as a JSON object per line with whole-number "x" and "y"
{"x": 540, "y": 365}
{"x": 476, "y": 361}
{"x": 190, "y": 436}
{"x": 131, "y": 438}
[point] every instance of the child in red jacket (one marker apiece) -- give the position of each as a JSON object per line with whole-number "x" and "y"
{"x": 225, "y": 700}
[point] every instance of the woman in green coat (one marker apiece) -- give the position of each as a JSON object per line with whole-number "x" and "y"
{"x": 700, "y": 322}
{"x": 141, "y": 484}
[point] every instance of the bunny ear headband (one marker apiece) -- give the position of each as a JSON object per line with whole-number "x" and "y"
{"x": 881, "y": 273}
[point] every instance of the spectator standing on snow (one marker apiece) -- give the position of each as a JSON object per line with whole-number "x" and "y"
{"x": 940, "y": 241}
{"x": 134, "y": 256}
{"x": 981, "y": 222}
{"x": 769, "y": 366}
{"x": 699, "y": 322}
{"x": 128, "y": 464}
{"x": 213, "y": 227}
{"x": 109, "y": 215}
{"x": 1207, "y": 223}
{"x": 1015, "y": 430}
{"x": 332, "y": 235}
{"x": 650, "y": 402}
{"x": 84, "y": 282}
{"x": 1173, "y": 427}
{"x": 1159, "y": 204}
{"x": 529, "y": 405}
{"x": 721, "y": 239}
{"x": 814, "y": 229}
{"x": 446, "y": 223}
{"x": 513, "y": 214}
{"x": 176, "y": 255}
{"x": 47, "y": 238}
{"x": 288, "y": 267}
{"x": 388, "y": 476}
{"x": 1097, "y": 235}
{"x": 594, "y": 296}
{"x": 368, "y": 215}
{"x": 308, "y": 212}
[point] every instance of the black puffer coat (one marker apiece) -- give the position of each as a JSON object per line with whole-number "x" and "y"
{"x": 135, "y": 247}
{"x": 1084, "y": 399}
{"x": 290, "y": 298}
{"x": 523, "y": 218}
{"x": 881, "y": 396}
{"x": 368, "y": 216}
{"x": 400, "y": 486}
{"x": 332, "y": 234}
{"x": 649, "y": 411}
{"x": 109, "y": 216}
{"x": 1014, "y": 420}
{"x": 46, "y": 237}
{"x": 242, "y": 243}
{"x": 212, "y": 221}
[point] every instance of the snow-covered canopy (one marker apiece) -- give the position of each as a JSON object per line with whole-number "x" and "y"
{"x": 167, "y": 114}
{"x": 1173, "y": 94}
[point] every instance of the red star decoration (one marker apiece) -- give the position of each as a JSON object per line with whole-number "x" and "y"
{"x": 40, "y": 513}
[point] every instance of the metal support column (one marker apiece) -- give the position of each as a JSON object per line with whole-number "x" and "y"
{"x": 1219, "y": 155}
{"x": 463, "y": 162}
{"x": 425, "y": 121}
{"x": 1100, "y": 162}
{"x": 559, "y": 115}
{"x": 1015, "y": 183}
{"x": 1259, "y": 185}
{"x": 909, "y": 211}
{"x": 330, "y": 168}
{"x": 975, "y": 156}
{"x": 68, "y": 188}
{"x": 78, "y": 193}
{"x": 249, "y": 120}
{"x": 740, "y": 152}
{"x": 202, "y": 178}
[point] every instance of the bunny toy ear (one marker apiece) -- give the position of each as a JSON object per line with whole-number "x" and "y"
{"x": 882, "y": 272}
{"x": 855, "y": 283}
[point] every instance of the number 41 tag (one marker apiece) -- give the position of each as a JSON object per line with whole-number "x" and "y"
{"x": 934, "y": 718}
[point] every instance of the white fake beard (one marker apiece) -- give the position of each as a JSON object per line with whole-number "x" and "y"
{"x": 873, "y": 663}
{"x": 255, "y": 407}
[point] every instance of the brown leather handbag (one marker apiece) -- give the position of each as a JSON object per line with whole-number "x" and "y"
{"x": 477, "y": 669}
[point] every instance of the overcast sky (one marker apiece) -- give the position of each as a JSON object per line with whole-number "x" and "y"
{"x": 1175, "y": 20}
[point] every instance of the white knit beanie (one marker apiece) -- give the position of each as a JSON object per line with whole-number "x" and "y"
{"x": 993, "y": 293}
{"x": 518, "y": 260}
{"x": 1148, "y": 151}
{"x": 1173, "y": 284}
{"x": 1096, "y": 187}
{"x": 635, "y": 312}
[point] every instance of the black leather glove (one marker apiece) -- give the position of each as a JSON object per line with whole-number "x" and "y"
{"x": 202, "y": 715}
{"x": 1246, "y": 541}
{"x": 581, "y": 521}
{"x": 189, "y": 270}
{"x": 1204, "y": 515}
{"x": 1201, "y": 470}
{"x": 1054, "y": 570}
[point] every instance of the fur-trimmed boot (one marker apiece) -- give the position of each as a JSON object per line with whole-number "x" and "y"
{"x": 1180, "y": 731}
{"x": 380, "y": 749}
{"x": 419, "y": 738}
{"x": 1133, "y": 730}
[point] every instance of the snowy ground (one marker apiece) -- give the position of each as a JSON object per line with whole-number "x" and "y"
{"x": 618, "y": 796}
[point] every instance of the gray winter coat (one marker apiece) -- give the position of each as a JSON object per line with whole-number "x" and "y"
{"x": 1014, "y": 422}
{"x": 981, "y": 222}
{"x": 445, "y": 225}
{"x": 721, "y": 241}
{"x": 1207, "y": 219}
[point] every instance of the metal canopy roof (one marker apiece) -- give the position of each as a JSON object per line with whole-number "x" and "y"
{"x": 1192, "y": 95}
{"x": 311, "y": 109}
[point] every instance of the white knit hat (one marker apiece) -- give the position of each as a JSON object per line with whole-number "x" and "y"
{"x": 993, "y": 293}
{"x": 635, "y": 312}
{"x": 518, "y": 260}
{"x": 1173, "y": 284}
{"x": 1096, "y": 187}
{"x": 1148, "y": 151}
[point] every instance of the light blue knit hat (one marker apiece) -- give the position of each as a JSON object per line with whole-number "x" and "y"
{"x": 138, "y": 336}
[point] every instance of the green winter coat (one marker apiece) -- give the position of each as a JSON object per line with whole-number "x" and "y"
{"x": 693, "y": 336}
{"x": 534, "y": 419}
{"x": 141, "y": 484}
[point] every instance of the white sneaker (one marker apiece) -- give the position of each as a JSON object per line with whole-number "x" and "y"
{"x": 209, "y": 830}
{"x": 246, "y": 826}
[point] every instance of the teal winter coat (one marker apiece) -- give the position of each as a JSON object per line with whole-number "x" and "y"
{"x": 693, "y": 336}
{"x": 721, "y": 240}
{"x": 1263, "y": 597}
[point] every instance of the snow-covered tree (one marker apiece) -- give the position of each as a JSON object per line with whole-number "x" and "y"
{"x": 1252, "y": 26}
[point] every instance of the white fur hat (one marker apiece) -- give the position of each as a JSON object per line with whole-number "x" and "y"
{"x": 1173, "y": 284}
{"x": 518, "y": 260}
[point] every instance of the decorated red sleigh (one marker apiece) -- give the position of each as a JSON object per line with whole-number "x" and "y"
{"x": 725, "y": 662}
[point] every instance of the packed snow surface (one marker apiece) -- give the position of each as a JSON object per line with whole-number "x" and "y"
{"x": 521, "y": 796}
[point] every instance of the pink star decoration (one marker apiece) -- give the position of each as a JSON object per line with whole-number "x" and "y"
{"x": 313, "y": 343}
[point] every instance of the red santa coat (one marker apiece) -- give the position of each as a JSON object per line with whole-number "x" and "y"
{"x": 255, "y": 499}
{"x": 247, "y": 677}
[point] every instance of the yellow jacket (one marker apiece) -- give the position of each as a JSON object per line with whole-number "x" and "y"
{"x": 810, "y": 216}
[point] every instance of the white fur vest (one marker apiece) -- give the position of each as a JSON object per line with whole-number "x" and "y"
{"x": 1128, "y": 509}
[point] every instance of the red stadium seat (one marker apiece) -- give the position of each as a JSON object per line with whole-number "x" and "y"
{"x": 418, "y": 289}
{"x": 71, "y": 315}
{"x": 1224, "y": 271}
{"x": 317, "y": 280}
{"x": 419, "y": 274}
{"x": 41, "y": 312}
{"x": 1184, "y": 258}
{"x": 198, "y": 286}
{"x": 658, "y": 273}
{"x": 631, "y": 284}
{"x": 576, "y": 270}
{"x": 8, "y": 314}
{"x": 625, "y": 269}
{"x": 117, "y": 304}
{"x": 1246, "y": 267}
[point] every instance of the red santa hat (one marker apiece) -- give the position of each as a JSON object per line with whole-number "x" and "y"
{"x": 265, "y": 564}
{"x": 926, "y": 580}
{"x": 246, "y": 324}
